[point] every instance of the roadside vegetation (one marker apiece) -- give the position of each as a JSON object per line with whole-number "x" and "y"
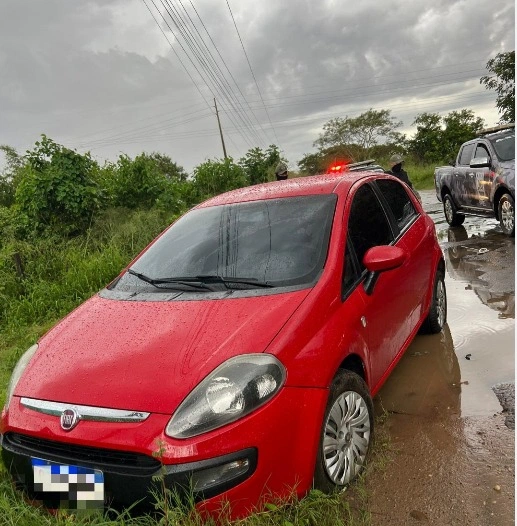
{"x": 69, "y": 225}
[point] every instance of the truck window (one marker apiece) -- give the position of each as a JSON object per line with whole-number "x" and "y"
{"x": 504, "y": 146}
{"x": 482, "y": 151}
{"x": 466, "y": 154}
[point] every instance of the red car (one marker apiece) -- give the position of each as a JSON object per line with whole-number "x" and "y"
{"x": 237, "y": 355}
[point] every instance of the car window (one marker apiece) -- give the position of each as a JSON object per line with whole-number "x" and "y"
{"x": 367, "y": 225}
{"x": 282, "y": 242}
{"x": 398, "y": 200}
{"x": 481, "y": 151}
{"x": 504, "y": 146}
{"x": 466, "y": 154}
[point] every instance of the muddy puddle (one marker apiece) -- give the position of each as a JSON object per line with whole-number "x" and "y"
{"x": 450, "y": 401}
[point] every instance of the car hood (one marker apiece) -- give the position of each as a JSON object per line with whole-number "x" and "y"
{"x": 147, "y": 356}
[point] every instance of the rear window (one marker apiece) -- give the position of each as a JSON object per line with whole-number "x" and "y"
{"x": 282, "y": 242}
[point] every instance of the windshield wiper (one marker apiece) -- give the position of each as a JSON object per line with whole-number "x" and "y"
{"x": 187, "y": 281}
{"x": 214, "y": 278}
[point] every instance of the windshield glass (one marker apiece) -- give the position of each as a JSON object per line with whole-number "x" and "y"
{"x": 282, "y": 242}
{"x": 504, "y": 146}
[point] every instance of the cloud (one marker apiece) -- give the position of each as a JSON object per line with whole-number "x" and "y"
{"x": 100, "y": 75}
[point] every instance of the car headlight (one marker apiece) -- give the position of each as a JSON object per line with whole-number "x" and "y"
{"x": 18, "y": 371}
{"x": 236, "y": 388}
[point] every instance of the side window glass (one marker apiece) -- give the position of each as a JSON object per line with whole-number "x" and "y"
{"x": 398, "y": 200}
{"x": 466, "y": 154}
{"x": 481, "y": 151}
{"x": 351, "y": 272}
{"x": 367, "y": 225}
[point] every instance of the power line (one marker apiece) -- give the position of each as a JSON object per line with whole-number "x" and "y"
{"x": 212, "y": 77}
{"x": 251, "y": 69}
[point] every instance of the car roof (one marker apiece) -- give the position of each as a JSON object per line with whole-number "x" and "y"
{"x": 310, "y": 185}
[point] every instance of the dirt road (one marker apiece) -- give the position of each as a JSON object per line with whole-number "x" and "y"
{"x": 450, "y": 401}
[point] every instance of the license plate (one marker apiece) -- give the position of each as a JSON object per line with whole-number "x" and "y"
{"x": 78, "y": 487}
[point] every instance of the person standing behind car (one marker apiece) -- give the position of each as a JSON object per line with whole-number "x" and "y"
{"x": 396, "y": 162}
{"x": 281, "y": 172}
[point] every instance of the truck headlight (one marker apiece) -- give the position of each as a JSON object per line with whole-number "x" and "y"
{"x": 18, "y": 371}
{"x": 236, "y": 388}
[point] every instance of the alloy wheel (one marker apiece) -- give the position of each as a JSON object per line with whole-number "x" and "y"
{"x": 507, "y": 215}
{"x": 449, "y": 212}
{"x": 441, "y": 304}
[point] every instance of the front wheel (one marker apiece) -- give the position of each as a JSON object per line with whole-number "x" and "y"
{"x": 437, "y": 316}
{"x": 507, "y": 214}
{"x": 451, "y": 215}
{"x": 346, "y": 433}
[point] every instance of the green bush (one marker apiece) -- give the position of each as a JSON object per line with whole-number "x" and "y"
{"x": 57, "y": 190}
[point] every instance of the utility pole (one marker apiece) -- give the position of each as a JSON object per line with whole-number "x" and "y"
{"x": 220, "y": 130}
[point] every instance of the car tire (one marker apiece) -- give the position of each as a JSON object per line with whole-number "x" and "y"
{"x": 437, "y": 316}
{"x": 346, "y": 433}
{"x": 506, "y": 209}
{"x": 451, "y": 215}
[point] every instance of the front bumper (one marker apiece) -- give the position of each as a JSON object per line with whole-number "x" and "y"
{"x": 269, "y": 453}
{"x": 128, "y": 477}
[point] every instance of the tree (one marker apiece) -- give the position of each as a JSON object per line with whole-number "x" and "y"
{"x": 9, "y": 177}
{"x": 260, "y": 165}
{"x": 366, "y": 131}
{"x": 311, "y": 163}
{"x": 460, "y": 126}
{"x": 438, "y": 139}
{"x": 169, "y": 169}
{"x": 214, "y": 177}
{"x": 58, "y": 189}
{"x": 502, "y": 80}
{"x": 426, "y": 143}
{"x": 137, "y": 183}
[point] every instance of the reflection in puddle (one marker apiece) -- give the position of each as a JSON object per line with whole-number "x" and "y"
{"x": 486, "y": 264}
{"x": 427, "y": 380}
{"x": 480, "y": 281}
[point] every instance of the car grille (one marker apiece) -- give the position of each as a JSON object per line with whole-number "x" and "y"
{"x": 115, "y": 461}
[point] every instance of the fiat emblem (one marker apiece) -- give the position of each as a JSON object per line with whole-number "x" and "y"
{"x": 69, "y": 419}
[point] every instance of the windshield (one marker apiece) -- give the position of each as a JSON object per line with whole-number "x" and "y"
{"x": 279, "y": 242}
{"x": 504, "y": 146}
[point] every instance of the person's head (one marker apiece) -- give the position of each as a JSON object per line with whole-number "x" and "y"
{"x": 396, "y": 161}
{"x": 281, "y": 171}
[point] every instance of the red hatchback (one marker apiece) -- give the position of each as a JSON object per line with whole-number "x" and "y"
{"x": 237, "y": 355}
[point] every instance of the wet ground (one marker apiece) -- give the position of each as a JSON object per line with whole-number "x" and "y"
{"x": 451, "y": 400}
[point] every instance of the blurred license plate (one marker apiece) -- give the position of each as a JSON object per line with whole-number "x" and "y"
{"x": 78, "y": 487}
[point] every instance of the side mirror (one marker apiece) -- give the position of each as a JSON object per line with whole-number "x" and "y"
{"x": 480, "y": 162}
{"x": 380, "y": 259}
{"x": 451, "y": 162}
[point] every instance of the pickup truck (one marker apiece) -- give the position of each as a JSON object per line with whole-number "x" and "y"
{"x": 481, "y": 181}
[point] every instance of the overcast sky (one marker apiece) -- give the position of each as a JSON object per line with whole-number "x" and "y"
{"x": 103, "y": 76}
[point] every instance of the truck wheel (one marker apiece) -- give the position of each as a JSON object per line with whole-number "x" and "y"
{"x": 346, "y": 433}
{"x": 449, "y": 209}
{"x": 507, "y": 215}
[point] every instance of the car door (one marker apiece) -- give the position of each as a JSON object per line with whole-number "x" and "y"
{"x": 385, "y": 311}
{"x": 483, "y": 176}
{"x": 463, "y": 181}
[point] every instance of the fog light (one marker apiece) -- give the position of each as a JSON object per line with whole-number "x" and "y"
{"x": 208, "y": 478}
